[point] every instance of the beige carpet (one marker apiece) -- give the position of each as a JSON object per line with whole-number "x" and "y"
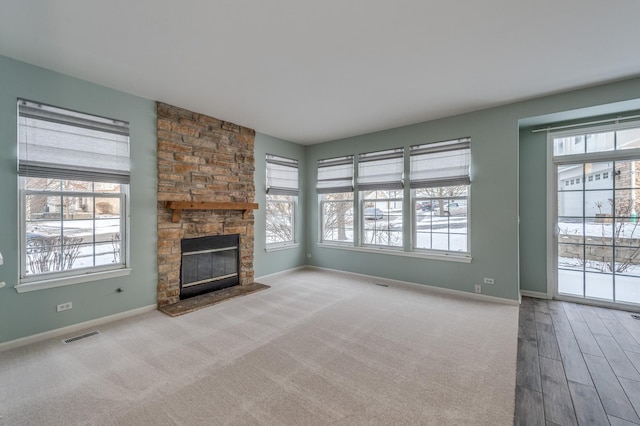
{"x": 318, "y": 348}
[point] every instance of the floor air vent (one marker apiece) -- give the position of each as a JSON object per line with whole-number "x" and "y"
{"x": 82, "y": 336}
{"x": 634, "y": 316}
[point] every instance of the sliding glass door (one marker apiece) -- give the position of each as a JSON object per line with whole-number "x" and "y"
{"x": 597, "y": 200}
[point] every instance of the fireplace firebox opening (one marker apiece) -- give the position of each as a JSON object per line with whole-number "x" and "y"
{"x": 209, "y": 264}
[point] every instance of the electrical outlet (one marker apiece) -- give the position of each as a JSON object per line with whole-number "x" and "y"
{"x": 488, "y": 280}
{"x": 478, "y": 288}
{"x": 64, "y": 307}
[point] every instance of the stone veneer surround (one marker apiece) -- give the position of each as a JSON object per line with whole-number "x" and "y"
{"x": 201, "y": 158}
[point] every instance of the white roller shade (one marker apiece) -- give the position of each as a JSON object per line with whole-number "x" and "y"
{"x": 441, "y": 164}
{"x": 381, "y": 170}
{"x": 282, "y": 176}
{"x": 59, "y": 143}
{"x": 335, "y": 175}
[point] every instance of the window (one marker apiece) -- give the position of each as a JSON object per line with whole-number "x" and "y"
{"x": 282, "y": 197}
{"x": 590, "y": 178}
{"x": 605, "y": 175}
{"x": 335, "y": 193}
{"x": 440, "y": 182}
{"x": 73, "y": 182}
{"x": 380, "y": 182}
{"x": 572, "y": 181}
{"x": 598, "y": 176}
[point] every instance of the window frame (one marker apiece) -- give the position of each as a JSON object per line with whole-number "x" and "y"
{"x": 52, "y": 170}
{"x": 462, "y": 180}
{"x": 364, "y": 221}
{"x": 285, "y": 243}
{"x": 467, "y": 199}
{"x": 284, "y": 189}
{"x": 321, "y": 204}
{"x": 335, "y": 176}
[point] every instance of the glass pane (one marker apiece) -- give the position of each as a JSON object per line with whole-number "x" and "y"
{"x": 628, "y": 260}
{"x": 598, "y": 204}
{"x": 627, "y": 203}
{"x": 79, "y": 253}
{"x": 570, "y": 177}
{"x": 627, "y": 232}
{"x": 599, "y": 231}
{"x": 106, "y": 208}
{"x": 627, "y": 289}
{"x": 599, "y": 142}
{"x": 382, "y": 218}
{"x": 598, "y": 175}
{"x": 571, "y": 230}
{"x": 570, "y": 282}
{"x": 107, "y": 187}
{"x": 42, "y": 184}
{"x": 108, "y": 253}
{"x": 41, "y": 208}
{"x": 570, "y": 204}
{"x": 569, "y": 145}
{"x": 440, "y": 241}
{"x": 627, "y": 174}
{"x": 279, "y": 219}
{"x": 337, "y": 217}
{"x": 458, "y": 242}
{"x": 77, "y": 186}
{"x": 628, "y": 139}
{"x": 599, "y": 286}
{"x": 571, "y": 256}
{"x": 599, "y": 259}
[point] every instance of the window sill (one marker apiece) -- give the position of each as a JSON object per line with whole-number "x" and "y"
{"x": 77, "y": 279}
{"x": 279, "y": 247}
{"x": 449, "y": 257}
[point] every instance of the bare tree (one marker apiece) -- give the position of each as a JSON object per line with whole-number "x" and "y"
{"x": 335, "y": 215}
{"x": 47, "y": 254}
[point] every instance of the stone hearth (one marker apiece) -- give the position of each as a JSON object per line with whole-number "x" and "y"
{"x": 201, "y": 159}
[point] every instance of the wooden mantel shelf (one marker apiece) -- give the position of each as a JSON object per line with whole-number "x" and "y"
{"x": 178, "y": 206}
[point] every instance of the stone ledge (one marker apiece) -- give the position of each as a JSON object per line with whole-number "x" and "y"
{"x": 204, "y": 300}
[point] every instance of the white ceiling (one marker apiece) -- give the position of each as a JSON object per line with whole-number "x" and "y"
{"x": 310, "y": 72}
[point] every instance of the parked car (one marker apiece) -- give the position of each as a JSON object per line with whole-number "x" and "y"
{"x": 426, "y": 206}
{"x": 455, "y": 208}
{"x": 373, "y": 213}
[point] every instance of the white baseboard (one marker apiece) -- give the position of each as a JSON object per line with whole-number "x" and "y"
{"x": 535, "y": 294}
{"x": 297, "y": 268}
{"x": 443, "y": 290}
{"x": 12, "y": 344}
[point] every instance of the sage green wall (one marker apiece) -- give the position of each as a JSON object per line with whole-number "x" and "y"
{"x": 493, "y": 207}
{"x": 496, "y": 194}
{"x": 533, "y": 211}
{"x": 266, "y": 263}
{"x": 30, "y": 313}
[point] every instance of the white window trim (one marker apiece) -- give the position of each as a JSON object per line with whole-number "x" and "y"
{"x": 281, "y": 246}
{"x": 76, "y": 279}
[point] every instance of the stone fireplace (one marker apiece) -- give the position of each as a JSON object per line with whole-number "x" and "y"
{"x": 206, "y": 169}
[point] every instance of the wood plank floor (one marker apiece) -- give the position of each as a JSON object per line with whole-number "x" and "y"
{"x": 577, "y": 365}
